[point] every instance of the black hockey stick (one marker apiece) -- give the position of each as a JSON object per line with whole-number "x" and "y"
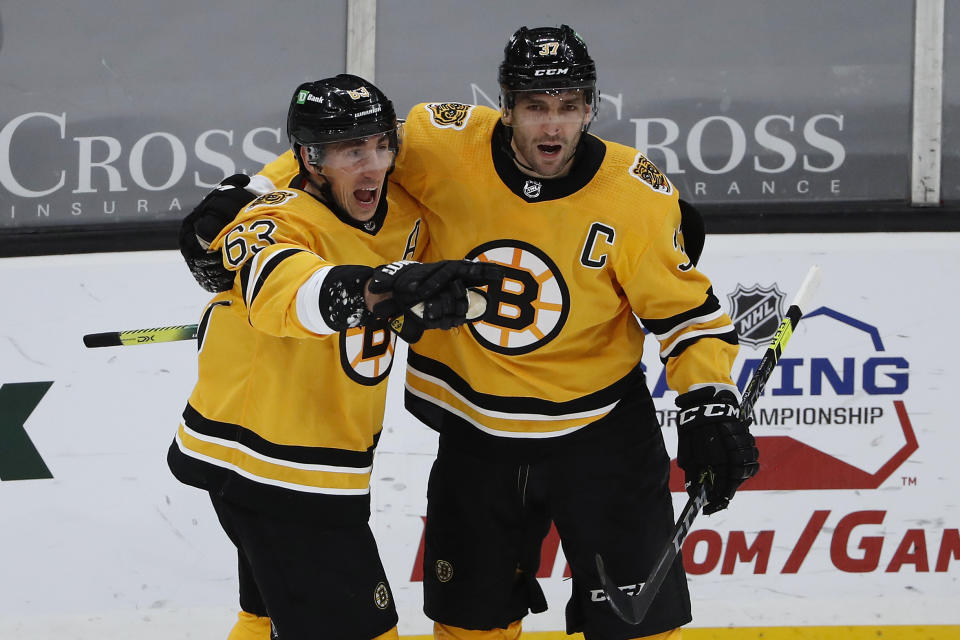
{"x": 477, "y": 307}
{"x": 633, "y": 608}
{"x": 140, "y": 336}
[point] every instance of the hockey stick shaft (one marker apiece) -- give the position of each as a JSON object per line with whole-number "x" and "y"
{"x": 633, "y": 609}
{"x": 477, "y": 304}
{"x": 771, "y": 356}
{"x": 140, "y": 336}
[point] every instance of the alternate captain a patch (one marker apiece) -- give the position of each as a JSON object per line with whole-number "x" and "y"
{"x": 449, "y": 115}
{"x": 647, "y": 173}
{"x": 272, "y": 199}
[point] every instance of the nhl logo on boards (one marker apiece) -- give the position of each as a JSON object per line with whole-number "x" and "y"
{"x": 381, "y": 596}
{"x": 531, "y": 189}
{"x": 444, "y": 570}
{"x": 756, "y": 312}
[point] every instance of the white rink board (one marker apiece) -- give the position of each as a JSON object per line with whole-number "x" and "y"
{"x": 113, "y": 547}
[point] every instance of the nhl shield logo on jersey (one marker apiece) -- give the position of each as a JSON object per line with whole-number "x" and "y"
{"x": 272, "y": 199}
{"x": 756, "y": 312}
{"x": 449, "y": 115}
{"x": 647, "y": 173}
{"x": 531, "y": 189}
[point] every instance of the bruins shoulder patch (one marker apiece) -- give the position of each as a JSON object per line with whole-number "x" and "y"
{"x": 647, "y": 173}
{"x": 449, "y": 115}
{"x": 272, "y": 199}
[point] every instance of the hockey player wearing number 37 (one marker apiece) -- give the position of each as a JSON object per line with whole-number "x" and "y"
{"x": 542, "y": 406}
{"x": 293, "y": 358}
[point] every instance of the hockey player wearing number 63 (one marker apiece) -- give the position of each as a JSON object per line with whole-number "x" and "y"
{"x": 293, "y": 359}
{"x": 542, "y": 407}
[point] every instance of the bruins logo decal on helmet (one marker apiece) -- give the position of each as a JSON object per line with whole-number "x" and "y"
{"x": 272, "y": 199}
{"x": 647, "y": 173}
{"x": 449, "y": 115}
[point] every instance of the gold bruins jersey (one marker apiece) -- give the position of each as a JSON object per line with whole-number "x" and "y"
{"x": 286, "y": 411}
{"x": 560, "y": 345}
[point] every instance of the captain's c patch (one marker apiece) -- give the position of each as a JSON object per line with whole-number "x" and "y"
{"x": 449, "y": 115}
{"x": 647, "y": 173}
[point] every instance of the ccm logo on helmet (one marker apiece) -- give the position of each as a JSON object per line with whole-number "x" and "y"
{"x": 551, "y": 72}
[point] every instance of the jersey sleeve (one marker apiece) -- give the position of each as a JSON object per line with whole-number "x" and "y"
{"x": 677, "y": 305}
{"x": 278, "y": 276}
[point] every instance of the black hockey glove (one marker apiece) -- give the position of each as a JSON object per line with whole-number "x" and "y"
{"x": 438, "y": 313}
{"x": 408, "y": 327}
{"x": 204, "y": 223}
{"x": 714, "y": 447}
{"x": 440, "y": 286}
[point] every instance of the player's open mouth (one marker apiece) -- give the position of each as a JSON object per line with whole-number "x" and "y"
{"x": 549, "y": 149}
{"x": 367, "y": 197}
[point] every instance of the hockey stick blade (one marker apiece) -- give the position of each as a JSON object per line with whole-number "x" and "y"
{"x": 633, "y": 608}
{"x": 140, "y": 336}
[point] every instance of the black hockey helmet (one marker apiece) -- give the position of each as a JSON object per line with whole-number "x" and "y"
{"x": 337, "y": 109}
{"x": 547, "y": 58}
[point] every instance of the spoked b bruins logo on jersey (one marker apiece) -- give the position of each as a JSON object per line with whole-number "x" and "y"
{"x": 532, "y": 305}
{"x": 366, "y": 353}
{"x": 444, "y": 571}
{"x": 381, "y": 596}
{"x": 648, "y": 173}
{"x": 449, "y": 115}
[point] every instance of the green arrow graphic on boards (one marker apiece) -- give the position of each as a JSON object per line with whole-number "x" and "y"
{"x": 19, "y": 459}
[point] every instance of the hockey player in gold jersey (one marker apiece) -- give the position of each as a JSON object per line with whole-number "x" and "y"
{"x": 542, "y": 407}
{"x": 283, "y": 422}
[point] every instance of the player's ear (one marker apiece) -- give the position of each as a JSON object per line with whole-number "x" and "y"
{"x": 304, "y": 155}
{"x": 312, "y": 169}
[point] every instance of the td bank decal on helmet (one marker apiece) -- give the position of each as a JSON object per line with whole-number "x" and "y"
{"x": 305, "y": 95}
{"x": 449, "y": 115}
{"x": 756, "y": 312}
